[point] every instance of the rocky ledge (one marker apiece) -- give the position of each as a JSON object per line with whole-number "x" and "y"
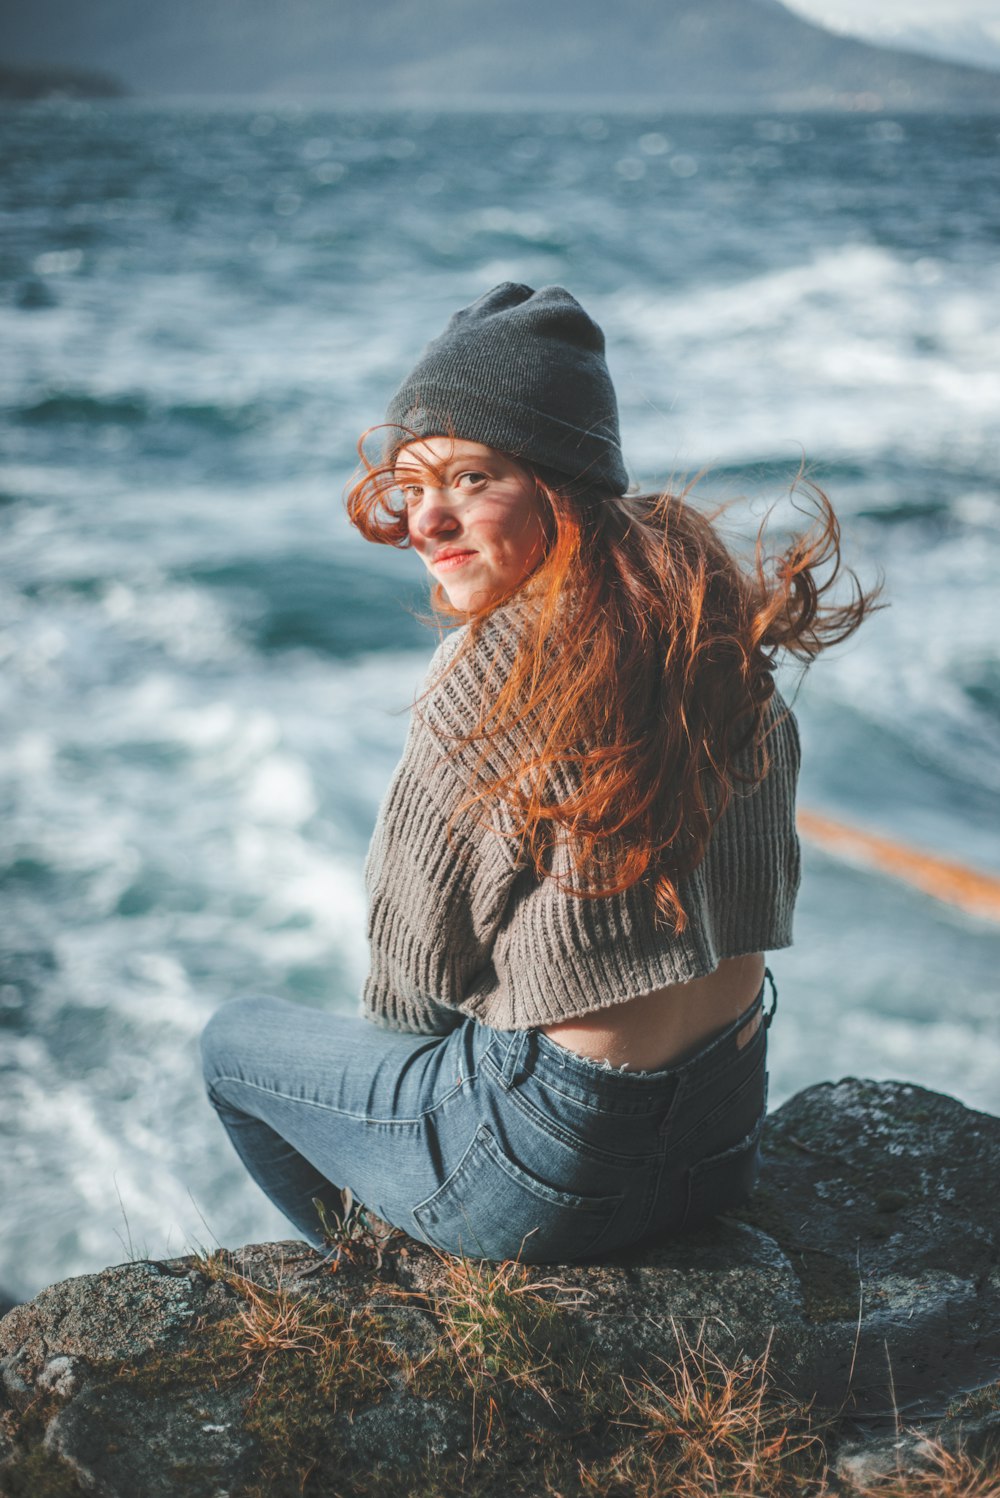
{"x": 841, "y": 1334}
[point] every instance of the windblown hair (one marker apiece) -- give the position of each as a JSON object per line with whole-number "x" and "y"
{"x": 647, "y": 672}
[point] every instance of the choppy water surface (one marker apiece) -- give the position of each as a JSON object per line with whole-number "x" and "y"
{"x": 205, "y": 672}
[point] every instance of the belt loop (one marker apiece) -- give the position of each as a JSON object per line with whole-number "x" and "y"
{"x": 774, "y": 997}
{"x": 511, "y": 1070}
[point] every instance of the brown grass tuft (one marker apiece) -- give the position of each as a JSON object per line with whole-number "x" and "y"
{"x": 708, "y": 1428}
{"x": 501, "y": 1323}
{"x": 946, "y": 1475}
{"x": 502, "y": 1328}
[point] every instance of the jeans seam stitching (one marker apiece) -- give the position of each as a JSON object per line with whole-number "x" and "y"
{"x": 565, "y": 1137}
{"x": 723, "y": 1071}
{"x": 613, "y": 1112}
{"x": 730, "y": 1100}
{"x": 328, "y": 1108}
{"x": 652, "y": 1197}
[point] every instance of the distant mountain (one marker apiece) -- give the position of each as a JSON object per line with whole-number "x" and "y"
{"x": 717, "y": 54}
{"x": 959, "y": 41}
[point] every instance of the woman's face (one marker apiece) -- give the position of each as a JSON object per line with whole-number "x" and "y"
{"x": 475, "y": 518}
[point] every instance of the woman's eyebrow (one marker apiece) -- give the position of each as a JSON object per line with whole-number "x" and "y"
{"x": 416, "y": 472}
{"x": 466, "y": 465}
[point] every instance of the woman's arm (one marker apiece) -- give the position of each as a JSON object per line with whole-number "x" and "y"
{"x": 438, "y": 879}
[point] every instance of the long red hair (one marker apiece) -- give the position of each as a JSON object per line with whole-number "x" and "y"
{"x": 647, "y": 670}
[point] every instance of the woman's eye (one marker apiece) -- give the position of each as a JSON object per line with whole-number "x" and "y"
{"x": 472, "y": 478}
{"x": 411, "y": 493}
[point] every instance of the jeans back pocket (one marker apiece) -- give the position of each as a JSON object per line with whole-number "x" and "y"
{"x": 492, "y": 1208}
{"x": 723, "y": 1181}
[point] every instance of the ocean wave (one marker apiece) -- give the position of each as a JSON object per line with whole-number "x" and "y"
{"x": 325, "y": 605}
{"x": 76, "y": 406}
{"x": 849, "y": 352}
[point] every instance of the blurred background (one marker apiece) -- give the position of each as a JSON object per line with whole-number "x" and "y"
{"x": 229, "y": 229}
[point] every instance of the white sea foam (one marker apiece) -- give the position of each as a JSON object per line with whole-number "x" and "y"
{"x": 931, "y": 1055}
{"x": 912, "y": 662}
{"x": 280, "y": 790}
{"x": 851, "y": 351}
{"x": 100, "y": 1201}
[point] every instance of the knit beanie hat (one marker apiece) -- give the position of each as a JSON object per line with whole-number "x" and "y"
{"x": 521, "y": 371}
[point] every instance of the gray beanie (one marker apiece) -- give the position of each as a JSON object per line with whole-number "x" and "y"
{"x": 522, "y": 371}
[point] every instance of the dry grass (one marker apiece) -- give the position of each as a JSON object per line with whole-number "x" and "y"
{"x": 217, "y": 1265}
{"x": 703, "y": 1428}
{"x": 276, "y": 1321}
{"x": 272, "y": 1321}
{"x": 946, "y": 1475}
{"x": 501, "y": 1328}
{"x": 982, "y": 1401}
{"x": 499, "y": 1322}
{"x": 706, "y": 1428}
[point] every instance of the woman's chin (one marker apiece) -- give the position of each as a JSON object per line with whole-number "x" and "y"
{"x": 468, "y": 600}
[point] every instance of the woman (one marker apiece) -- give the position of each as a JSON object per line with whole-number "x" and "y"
{"x": 585, "y": 852}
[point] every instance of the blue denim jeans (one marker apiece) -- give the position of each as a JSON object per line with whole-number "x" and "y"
{"x": 496, "y": 1144}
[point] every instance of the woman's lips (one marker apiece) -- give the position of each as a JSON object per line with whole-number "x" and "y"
{"x": 454, "y": 560}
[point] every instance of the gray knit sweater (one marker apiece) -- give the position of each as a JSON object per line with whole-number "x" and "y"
{"x": 459, "y": 927}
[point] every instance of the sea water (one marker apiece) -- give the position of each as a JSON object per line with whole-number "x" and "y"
{"x": 206, "y": 673}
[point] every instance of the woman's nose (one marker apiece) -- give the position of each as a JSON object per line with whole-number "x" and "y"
{"x": 434, "y": 516}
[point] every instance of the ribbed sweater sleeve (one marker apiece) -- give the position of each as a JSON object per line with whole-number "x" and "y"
{"x": 457, "y": 926}
{"x": 437, "y": 883}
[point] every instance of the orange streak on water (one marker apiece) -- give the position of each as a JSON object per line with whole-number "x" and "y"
{"x": 955, "y": 883}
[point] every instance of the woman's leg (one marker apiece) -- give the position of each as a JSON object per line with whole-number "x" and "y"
{"x": 280, "y": 1171}
{"x": 314, "y": 1102}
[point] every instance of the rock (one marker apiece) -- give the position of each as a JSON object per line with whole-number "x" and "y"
{"x": 863, "y": 1464}
{"x": 861, "y": 1277}
{"x": 425, "y": 1427}
{"x": 875, "y": 1191}
{"x": 60, "y": 1375}
{"x": 114, "y": 1316}
{"x": 116, "y": 1440}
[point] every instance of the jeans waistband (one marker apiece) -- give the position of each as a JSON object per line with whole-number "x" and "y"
{"x": 518, "y": 1053}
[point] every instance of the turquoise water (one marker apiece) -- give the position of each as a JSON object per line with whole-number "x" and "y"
{"x": 205, "y": 672}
